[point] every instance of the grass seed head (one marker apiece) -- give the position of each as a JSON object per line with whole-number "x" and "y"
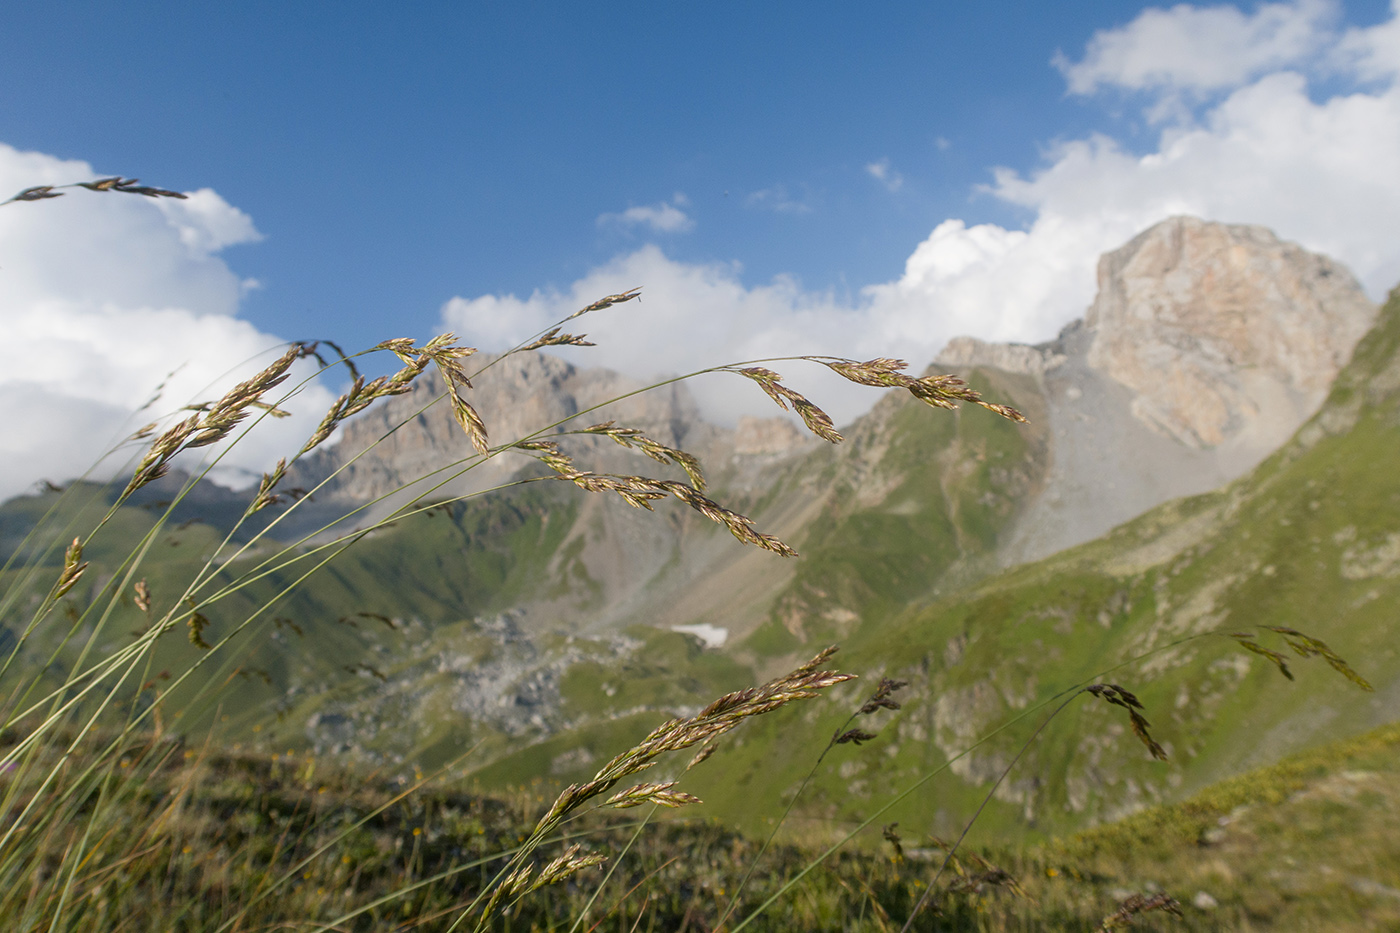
{"x": 1139, "y": 904}
{"x": 142, "y": 596}
{"x": 607, "y": 302}
{"x": 1120, "y": 696}
{"x": 197, "y": 623}
{"x": 855, "y": 736}
{"x": 880, "y": 699}
{"x": 553, "y": 338}
{"x": 266, "y": 496}
{"x": 73, "y": 568}
{"x": 660, "y": 794}
{"x": 891, "y": 835}
{"x": 701, "y": 756}
{"x": 816, "y": 420}
{"x": 1305, "y": 646}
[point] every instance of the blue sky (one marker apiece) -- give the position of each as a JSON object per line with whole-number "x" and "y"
{"x": 814, "y": 176}
{"x": 394, "y": 159}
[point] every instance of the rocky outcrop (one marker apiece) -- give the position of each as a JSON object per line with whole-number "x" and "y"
{"x": 413, "y": 441}
{"x": 1223, "y": 331}
{"x": 964, "y": 352}
{"x": 1206, "y": 347}
{"x": 767, "y": 436}
{"x": 396, "y": 444}
{"x": 615, "y": 564}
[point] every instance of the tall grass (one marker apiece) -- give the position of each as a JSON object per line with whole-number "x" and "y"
{"x": 112, "y": 820}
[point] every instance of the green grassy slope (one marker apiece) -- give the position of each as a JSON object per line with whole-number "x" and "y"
{"x": 1309, "y": 540}
{"x": 399, "y": 648}
{"x": 193, "y": 837}
{"x": 471, "y": 560}
{"x": 914, "y": 500}
{"x": 1312, "y": 842}
{"x": 917, "y": 500}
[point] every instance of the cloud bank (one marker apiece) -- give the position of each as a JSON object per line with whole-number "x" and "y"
{"x": 1259, "y": 148}
{"x": 103, "y": 297}
{"x": 1201, "y": 49}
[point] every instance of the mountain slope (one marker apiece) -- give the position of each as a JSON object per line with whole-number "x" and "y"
{"x": 507, "y": 618}
{"x": 1308, "y": 540}
{"x": 1206, "y": 347}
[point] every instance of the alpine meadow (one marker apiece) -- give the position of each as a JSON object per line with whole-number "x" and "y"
{"x": 508, "y": 644}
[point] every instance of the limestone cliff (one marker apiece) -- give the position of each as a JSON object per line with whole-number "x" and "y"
{"x": 1224, "y": 333}
{"x": 515, "y": 396}
{"x": 1206, "y": 347}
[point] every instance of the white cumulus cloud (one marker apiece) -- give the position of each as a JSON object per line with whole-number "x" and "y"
{"x": 1191, "y": 48}
{"x": 1373, "y": 54}
{"x": 102, "y": 297}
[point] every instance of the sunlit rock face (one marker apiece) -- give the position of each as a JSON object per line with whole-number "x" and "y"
{"x": 1206, "y": 347}
{"x": 1224, "y": 332}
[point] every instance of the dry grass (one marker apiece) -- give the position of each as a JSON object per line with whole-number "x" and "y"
{"x": 108, "y": 826}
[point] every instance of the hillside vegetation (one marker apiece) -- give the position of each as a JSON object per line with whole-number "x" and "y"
{"x": 469, "y": 625}
{"x": 366, "y": 716}
{"x": 1306, "y": 844}
{"x": 1306, "y": 541}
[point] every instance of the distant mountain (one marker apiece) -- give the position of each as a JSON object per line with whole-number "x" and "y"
{"x": 1207, "y": 346}
{"x": 907, "y": 469}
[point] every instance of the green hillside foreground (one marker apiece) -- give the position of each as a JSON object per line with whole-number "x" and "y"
{"x": 308, "y": 636}
{"x": 198, "y": 837}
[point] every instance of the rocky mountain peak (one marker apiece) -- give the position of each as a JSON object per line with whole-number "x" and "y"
{"x": 1207, "y": 346}
{"x": 1008, "y": 357}
{"x": 1223, "y": 329}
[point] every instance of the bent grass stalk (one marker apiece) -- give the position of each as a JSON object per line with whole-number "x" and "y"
{"x": 704, "y": 727}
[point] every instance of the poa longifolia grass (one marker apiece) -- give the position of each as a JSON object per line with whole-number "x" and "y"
{"x": 112, "y": 820}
